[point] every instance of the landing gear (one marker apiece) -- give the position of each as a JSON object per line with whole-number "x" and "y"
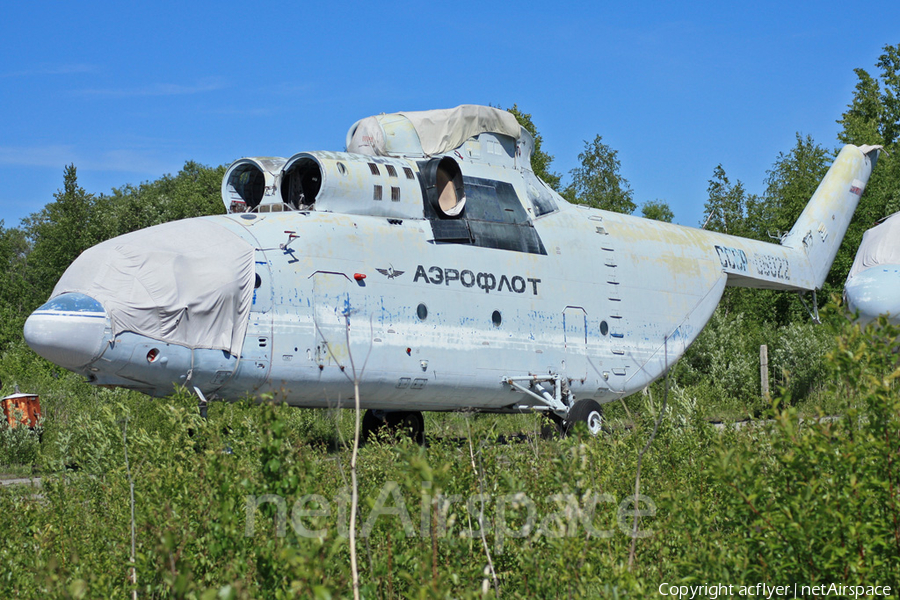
{"x": 588, "y": 412}
{"x": 371, "y": 426}
{"x": 393, "y": 423}
{"x": 584, "y": 411}
{"x": 553, "y": 428}
{"x": 411, "y": 423}
{"x": 202, "y": 403}
{"x": 553, "y": 392}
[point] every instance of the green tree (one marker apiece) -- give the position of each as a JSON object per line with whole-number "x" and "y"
{"x": 540, "y": 160}
{"x": 657, "y": 210}
{"x": 791, "y": 182}
{"x": 597, "y": 181}
{"x": 727, "y": 208}
{"x": 195, "y": 191}
{"x": 58, "y": 233}
{"x": 862, "y": 120}
{"x": 889, "y": 63}
{"x": 873, "y": 117}
{"x": 13, "y": 288}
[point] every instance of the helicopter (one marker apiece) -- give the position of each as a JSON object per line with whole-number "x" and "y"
{"x": 427, "y": 264}
{"x": 873, "y": 284}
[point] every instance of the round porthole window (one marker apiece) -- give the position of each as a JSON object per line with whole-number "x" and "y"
{"x": 422, "y": 311}
{"x": 496, "y": 318}
{"x": 258, "y": 281}
{"x": 604, "y": 328}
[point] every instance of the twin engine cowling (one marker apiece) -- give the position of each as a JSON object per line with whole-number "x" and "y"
{"x": 395, "y": 166}
{"x": 346, "y": 183}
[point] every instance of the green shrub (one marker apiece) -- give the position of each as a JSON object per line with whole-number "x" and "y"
{"x": 797, "y": 360}
{"x": 18, "y": 445}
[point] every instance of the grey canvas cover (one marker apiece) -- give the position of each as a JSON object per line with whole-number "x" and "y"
{"x": 880, "y": 246}
{"x": 439, "y": 131}
{"x": 187, "y": 282}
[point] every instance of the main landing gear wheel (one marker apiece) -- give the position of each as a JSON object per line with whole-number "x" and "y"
{"x": 588, "y": 412}
{"x": 554, "y": 428}
{"x": 585, "y": 411}
{"x": 395, "y": 423}
{"x": 371, "y": 426}
{"x": 409, "y": 423}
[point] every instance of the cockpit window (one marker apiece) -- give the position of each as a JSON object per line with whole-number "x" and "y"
{"x": 73, "y": 302}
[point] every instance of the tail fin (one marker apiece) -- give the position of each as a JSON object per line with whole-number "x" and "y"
{"x": 822, "y": 224}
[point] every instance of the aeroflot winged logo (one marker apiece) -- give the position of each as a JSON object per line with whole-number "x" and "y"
{"x": 390, "y": 273}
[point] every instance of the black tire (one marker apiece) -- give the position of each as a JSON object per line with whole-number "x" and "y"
{"x": 371, "y": 426}
{"x": 409, "y": 423}
{"x": 588, "y": 412}
{"x": 553, "y": 428}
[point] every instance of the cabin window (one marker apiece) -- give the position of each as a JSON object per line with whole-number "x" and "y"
{"x": 408, "y": 172}
{"x": 374, "y": 169}
{"x": 604, "y": 328}
{"x": 496, "y": 318}
{"x": 392, "y": 172}
{"x": 422, "y": 311}
{"x": 376, "y": 194}
{"x": 395, "y": 194}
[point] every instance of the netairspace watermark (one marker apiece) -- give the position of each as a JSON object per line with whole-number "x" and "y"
{"x": 764, "y": 590}
{"x": 452, "y": 515}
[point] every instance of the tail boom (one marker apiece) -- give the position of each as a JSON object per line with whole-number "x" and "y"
{"x": 802, "y": 260}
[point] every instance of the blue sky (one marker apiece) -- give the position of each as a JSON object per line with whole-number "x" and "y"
{"x": 130, "y": 91}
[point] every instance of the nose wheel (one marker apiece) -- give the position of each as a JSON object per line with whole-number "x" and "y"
{"x": 377, "y": 423}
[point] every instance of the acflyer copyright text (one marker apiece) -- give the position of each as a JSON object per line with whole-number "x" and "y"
{"x": 764, "y": 590}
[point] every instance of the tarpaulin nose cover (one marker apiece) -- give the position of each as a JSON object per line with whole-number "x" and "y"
{"x": 188, "y": 282}
{"x": 880, "y": 246}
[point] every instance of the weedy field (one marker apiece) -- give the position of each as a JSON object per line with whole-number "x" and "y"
{"x": 254, "y": 501}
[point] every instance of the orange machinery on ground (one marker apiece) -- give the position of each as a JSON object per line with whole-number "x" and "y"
{"x": 22, "y": 409}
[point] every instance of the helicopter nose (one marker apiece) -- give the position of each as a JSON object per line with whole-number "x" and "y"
{"x": 69, "y": 330}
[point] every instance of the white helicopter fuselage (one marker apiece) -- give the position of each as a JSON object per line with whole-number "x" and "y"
{"x": 504, "y": 298}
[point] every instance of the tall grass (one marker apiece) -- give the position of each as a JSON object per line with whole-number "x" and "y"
{"x": 254, "y": 501}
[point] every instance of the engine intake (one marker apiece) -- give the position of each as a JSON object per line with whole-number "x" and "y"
{"x": 252, "y": 184}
